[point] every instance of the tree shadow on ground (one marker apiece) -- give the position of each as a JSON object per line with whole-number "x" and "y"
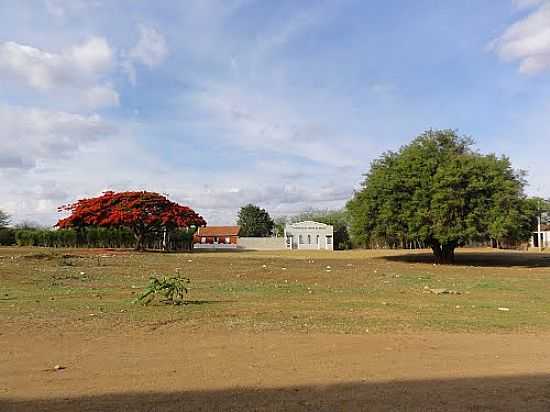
{"x": 205, "y": 302}
{"x": 483, "y": 259}
{"x": 221, "y": 250}
{"x": 189, "y": 302}
{"x": 512, "y": 393}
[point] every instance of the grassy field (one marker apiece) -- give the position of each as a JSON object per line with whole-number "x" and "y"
{"x": 289, "y": 291}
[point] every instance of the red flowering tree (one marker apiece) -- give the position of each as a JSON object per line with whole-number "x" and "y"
{"x": 143, "y": 213}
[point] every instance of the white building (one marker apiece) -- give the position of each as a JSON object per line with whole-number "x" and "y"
{"x": 309, "y": 235}
{"x": 542, "y": 237}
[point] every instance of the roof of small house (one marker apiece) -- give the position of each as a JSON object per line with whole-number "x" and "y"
{"x": 219, "y": 231}
{"x": 307, "y": 224}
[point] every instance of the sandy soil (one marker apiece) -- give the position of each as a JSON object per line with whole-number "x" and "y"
{"x": 171, "y": 369}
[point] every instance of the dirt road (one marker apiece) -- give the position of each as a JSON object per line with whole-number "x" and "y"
{"x": 172, "y": 369}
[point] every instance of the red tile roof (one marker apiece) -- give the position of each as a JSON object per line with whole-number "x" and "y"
{"x": 219, "y": 231}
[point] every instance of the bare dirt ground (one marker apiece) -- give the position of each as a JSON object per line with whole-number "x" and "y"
{"x": 337, "y": 332}
{"x": 170, "y": 369}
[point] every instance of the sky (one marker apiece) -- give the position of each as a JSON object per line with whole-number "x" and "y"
{"x": 283, "y": 104}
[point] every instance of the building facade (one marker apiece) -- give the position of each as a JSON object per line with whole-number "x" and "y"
{"x": 217, "y": 235}
{"x": 541, "y": 238}
{"x": 309, "y": 235}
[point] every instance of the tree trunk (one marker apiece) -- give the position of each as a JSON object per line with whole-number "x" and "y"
{"x": 444, "y": 254}
{"x": 140, "y": 237}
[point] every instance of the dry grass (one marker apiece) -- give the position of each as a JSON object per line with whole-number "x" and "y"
{"x": 289, "y": 291}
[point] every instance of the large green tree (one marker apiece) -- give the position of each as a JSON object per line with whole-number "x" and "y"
{"x": 4, "y": 219}
{"x": 438, "y": 192}
{"x": 254, "y": 222}
{"x": 7, "y": 235}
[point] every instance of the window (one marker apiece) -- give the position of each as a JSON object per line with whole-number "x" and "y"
{"x": 317, "y": 240}
{"x": 309, "y": 239}
{"x": 203, "y": 240}
{"x": 329, "y": 240}
{"x": 300, "y": 239}
{"x": 228, "y": 240}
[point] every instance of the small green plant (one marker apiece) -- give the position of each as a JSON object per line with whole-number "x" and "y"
{"x": 172, "y": 289}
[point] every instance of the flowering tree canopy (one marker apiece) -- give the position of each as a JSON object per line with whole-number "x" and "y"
{"x": 143, "y": 213}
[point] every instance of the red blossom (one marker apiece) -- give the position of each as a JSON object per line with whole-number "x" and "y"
{"x": 141, "y": 212}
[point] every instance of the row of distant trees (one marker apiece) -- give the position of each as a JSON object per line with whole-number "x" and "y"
{"x": 436, "y": 192}
{"x": 126, "y": 219}
{"x": 91, "y": 237}
{"x": 254, "y": 222}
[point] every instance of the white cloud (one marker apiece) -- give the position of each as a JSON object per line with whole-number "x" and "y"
{"x": 151, "y": 49}
{"x": 100, "y": 96}
{"x": 297, "y": 24}
{"x": 528, "y": 40}
{"x": 29, "y": 136}
{"x": 50, "y": 157}
{"x": 77, "y": 71}
{"x": 63, "y": 8}
{"x": 524, "y": 4}
{"x": 261, "y": 122}
{"x": 285, "y": 197}
{"x": 40, "y": 69}
{"x": 92, "y": 57}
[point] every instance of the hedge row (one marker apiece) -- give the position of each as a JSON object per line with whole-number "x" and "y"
{"x": 92, "y": 237}
{"x": 7, "y": 237}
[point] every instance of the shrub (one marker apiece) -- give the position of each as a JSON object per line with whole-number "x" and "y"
{"x": 173, "y": 290}
{"x": 7, "y": 237}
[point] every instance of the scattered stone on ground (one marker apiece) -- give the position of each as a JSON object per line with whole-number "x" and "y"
{"x": 441, "y": 291}
{"x": 504, "y": 309}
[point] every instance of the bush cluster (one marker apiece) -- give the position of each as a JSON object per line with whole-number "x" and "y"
{"x": 7, "y": 237}
{"x": 93, "y": 237}
{"x": 90, "y": 237}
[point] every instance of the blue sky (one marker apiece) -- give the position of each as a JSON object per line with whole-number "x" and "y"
{"x": 279, "y": 103}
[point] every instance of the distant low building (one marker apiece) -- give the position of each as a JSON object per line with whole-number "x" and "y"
{"x": 542, "y": 237}
{"x": 309, "y": 235}
{"x": 217, "y": 235}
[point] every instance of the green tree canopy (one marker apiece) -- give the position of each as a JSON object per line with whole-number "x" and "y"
{"x": 7, "y": 235}
{"x": 254, "y": 222}
{"x": 438, "y": 191}
{"x": 541, "y": 207}
{"x": 4, "y": 219}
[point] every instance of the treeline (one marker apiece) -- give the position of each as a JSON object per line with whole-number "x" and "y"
{"x": 94, "y": 237}
{"x": 7, "y": 237}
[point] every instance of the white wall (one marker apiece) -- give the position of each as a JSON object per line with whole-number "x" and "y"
{"x": 308, "y": 231}
{"x": 545, "y": 239}
{"x": 261, "y": 243}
